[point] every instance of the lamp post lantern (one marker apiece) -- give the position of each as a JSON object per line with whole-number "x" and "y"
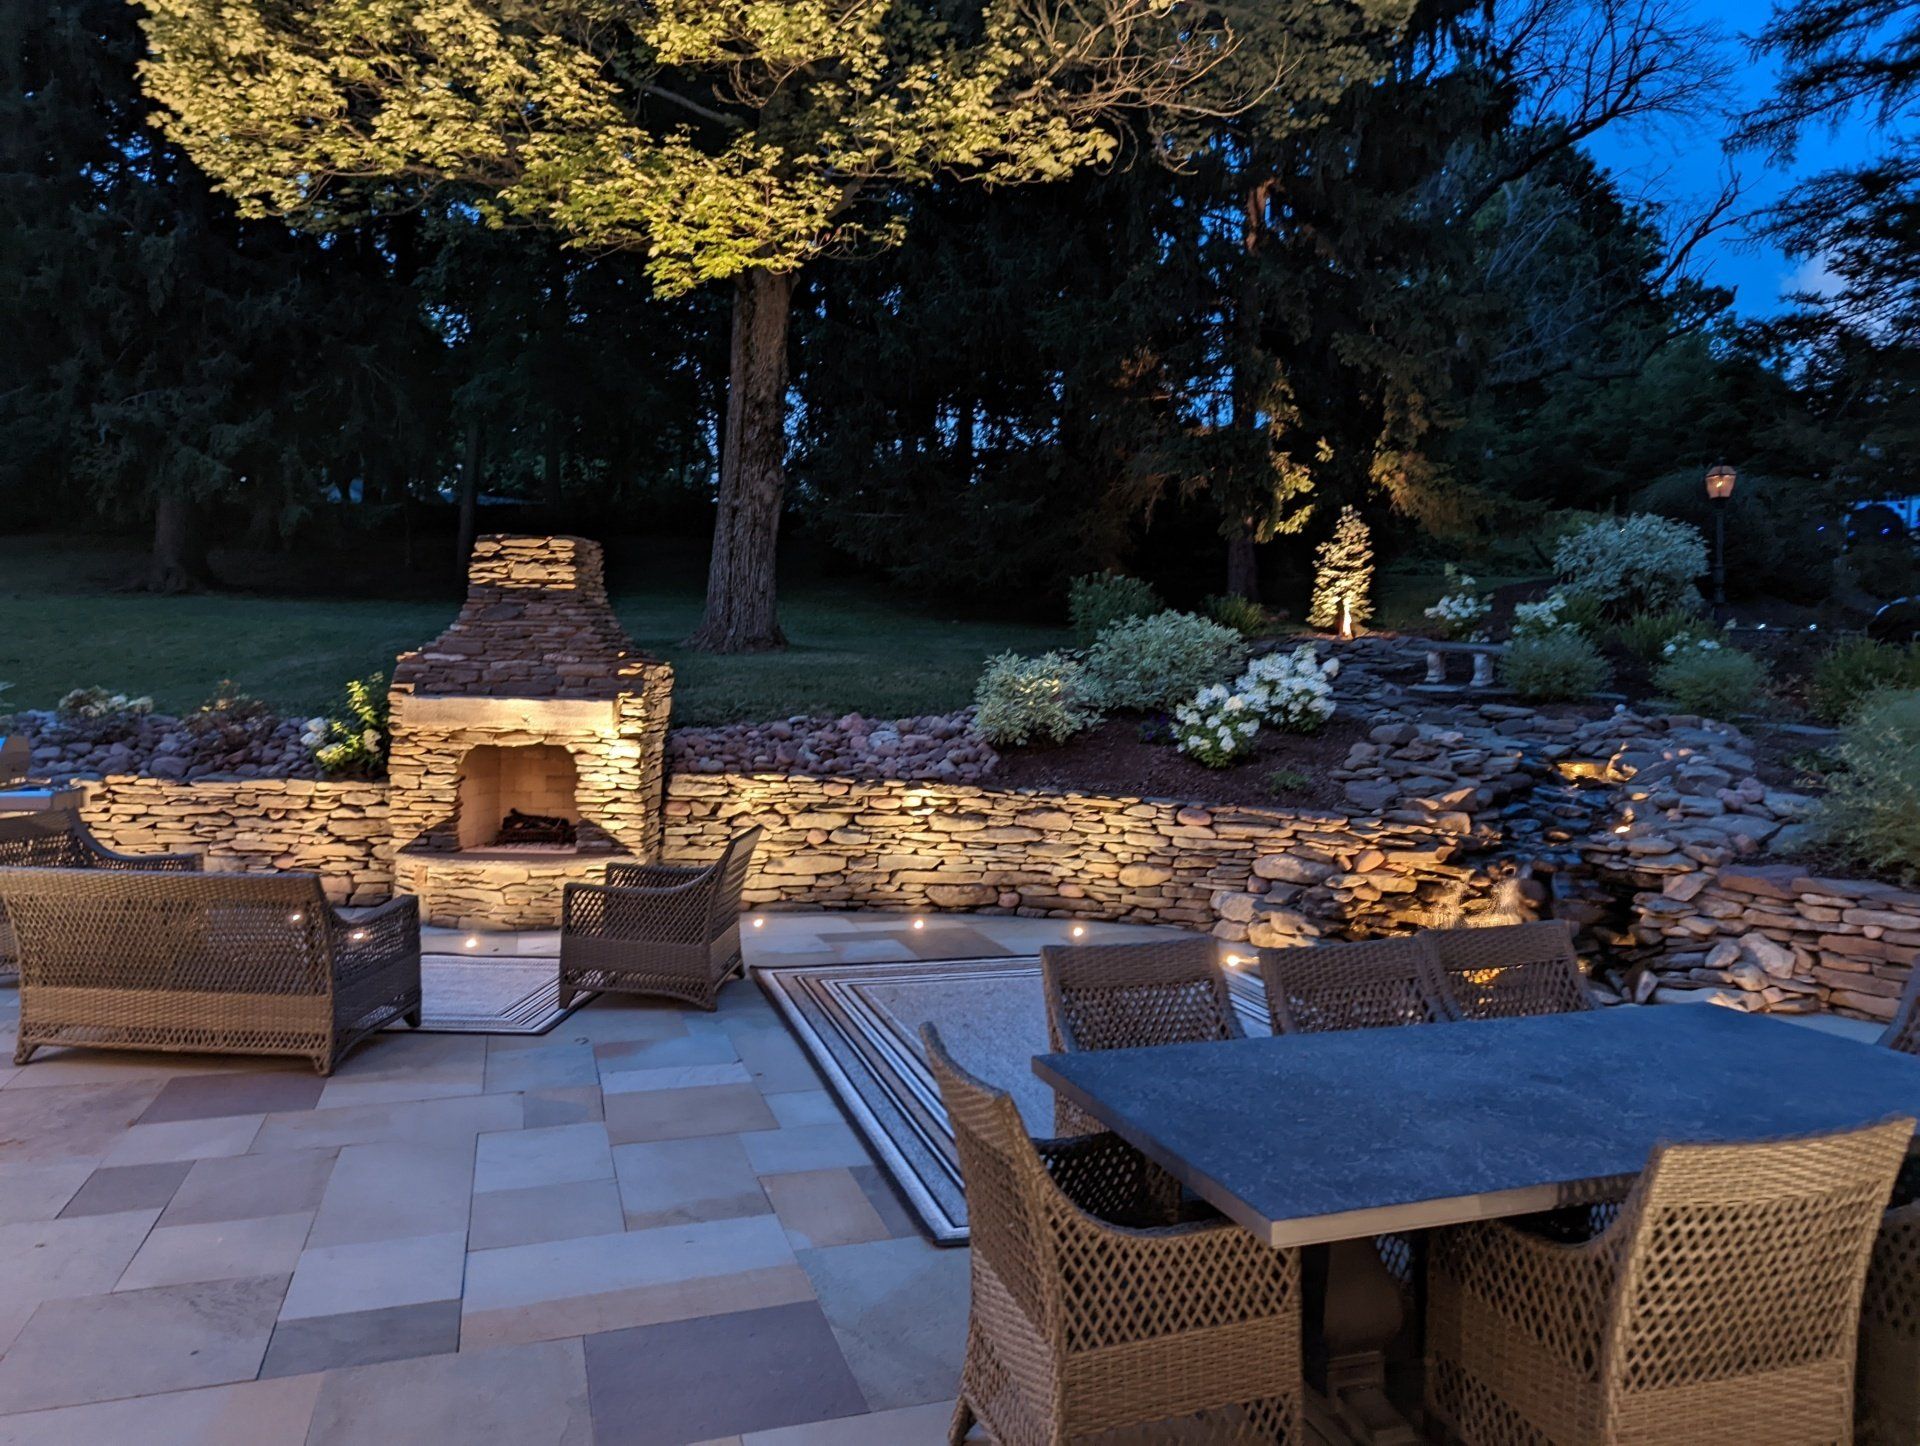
{"x": 1720, "y": 480}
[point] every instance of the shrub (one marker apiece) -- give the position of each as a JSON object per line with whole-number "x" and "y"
{"x": 1287, "y": 780}
{"x": 1159, "y": 662}
{"x": 1703, "y": 677}
{"x": 99, "y": 703}
{"x": 1100, "y": 599}
{"x": 1859, "y": 667}
{"x": 354, "y": 741}
{"x": 1640, "y": 563}
{"x": 1023, "y": 699}
{"x": 1646, "y": 634}
{"x": 1292, "y": 691}
{"x": 1872, "y": 812}
{"x": 1243, "y": 615}
{"x": 1343, "y": 576}
{"x": 1218, "y": 727}
{"x": 1462, "y": 608}
{"x": 1563, "y": 664}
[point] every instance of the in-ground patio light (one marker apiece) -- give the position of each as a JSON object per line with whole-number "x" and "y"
{"x": 1720, "y": 480}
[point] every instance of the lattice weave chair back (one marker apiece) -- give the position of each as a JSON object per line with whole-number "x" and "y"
{"x": 730, "y": 877}
{"x": 256, "y": 935}
{"x": 1127, "y": 996}
{"x": 1740, "y": 1267}
{"x": 1888, "y": 1386}
{"x": 1512, "y": 971}
{"x": 40, "y": 841}
{"x": 1374, "y": 984}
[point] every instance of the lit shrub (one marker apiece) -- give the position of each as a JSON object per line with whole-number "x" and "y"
{"x": 99, "y": 703}
{"x": 1291, "y": 691}
{"x": 353, "y": 742}
{"x": 1562, "y": 664}
{"x": 1218, "y": 728}
{"x": 1100, "y": 599}
{"x": 1856, "y": 669}
{"x": 1160, "y": 662}
{"x": 1641, "y": 563}
{"x": 1243, "y": 615}
{"x": 1461, "y": 608}
{"x": 1702, "y": 677}
{"x": 1646, "y": 634}
{"x": 1871, "y": 814}
{"x": 1020, "y": 700}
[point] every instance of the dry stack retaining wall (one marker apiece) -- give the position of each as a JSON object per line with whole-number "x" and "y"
{"x": 1772, "y": 938}
{"x": 337, "y": 830}
{"x": 1270, "y": 876}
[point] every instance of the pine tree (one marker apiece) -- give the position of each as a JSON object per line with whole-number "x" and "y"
{"x": 1343, "y": 577}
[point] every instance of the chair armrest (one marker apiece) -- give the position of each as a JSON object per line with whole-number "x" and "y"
{"x": 675, "y": 914}
{"x": 654, "y": 876}
{"x": 106, "y": 858}
{"x": 390, "y": 932}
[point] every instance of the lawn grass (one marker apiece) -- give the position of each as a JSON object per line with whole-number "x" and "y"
{"x": 853, "y": 646}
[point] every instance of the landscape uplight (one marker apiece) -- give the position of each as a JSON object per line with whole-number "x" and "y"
{"x": 1720, "y": 480}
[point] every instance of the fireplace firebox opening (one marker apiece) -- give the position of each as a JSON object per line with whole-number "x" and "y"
{"x": 518, "y": 797}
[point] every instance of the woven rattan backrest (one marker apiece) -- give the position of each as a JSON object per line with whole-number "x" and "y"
{"x": 1742, "y": 1259}
{"x": 1512, "y": 970}
{"x": 1373, "y": 984}
{"x": 1123, "y": 996}
{"x": 731, "y": 878}
{"x": 49, "y": 840}
{"x": 1904, "y": 1033}
{"x": 1003, "y": 1179}
{"x": 259, "y": 934}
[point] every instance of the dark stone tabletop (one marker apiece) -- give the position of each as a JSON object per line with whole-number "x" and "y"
{"x": 1322, "y": 1137}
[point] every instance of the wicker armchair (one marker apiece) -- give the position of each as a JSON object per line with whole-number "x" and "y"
{"x": 59, "y": 840}
{"x": 1080, "y": 1326}
{"x": 1887, "y": 1392}
{"x": 208, "y": 963}
{"x": 1512, "y": 970}
{"x": 1721, "y": 1308}
{"x": 1379, "y": 983}
{"x": 1122, "y": 996}
{"x": 656, "y": 929}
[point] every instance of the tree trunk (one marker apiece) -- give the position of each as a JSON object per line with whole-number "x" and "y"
{"x": 469, "y": 496}
{"x": 179, "y": 562}
{"x": 1243, "y": 568}
{"x": 741, "y": 616}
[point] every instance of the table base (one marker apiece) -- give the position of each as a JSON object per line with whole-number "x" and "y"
{"x": 1362, "y": 1317}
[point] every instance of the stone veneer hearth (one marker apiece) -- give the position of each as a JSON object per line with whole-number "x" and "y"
{"x": 533, "y": 699}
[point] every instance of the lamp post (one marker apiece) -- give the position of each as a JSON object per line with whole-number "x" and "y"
{"x": 1720, "y": 480}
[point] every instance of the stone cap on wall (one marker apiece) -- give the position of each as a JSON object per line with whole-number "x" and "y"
{"x": 536, "y": 624}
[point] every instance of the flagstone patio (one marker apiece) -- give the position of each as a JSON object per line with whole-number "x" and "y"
{"x": 650, "y": 1225}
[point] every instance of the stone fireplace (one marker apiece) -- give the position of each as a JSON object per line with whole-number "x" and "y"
{"x": 528, "y": 741}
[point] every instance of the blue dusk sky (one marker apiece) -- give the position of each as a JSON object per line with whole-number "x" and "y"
{"x": 1682, "y": 166}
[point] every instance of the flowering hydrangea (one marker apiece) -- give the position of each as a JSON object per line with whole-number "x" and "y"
{"x": 1461, "y": 608}
{"x": 1688, "y": 643}
{"x": 1537, "y": 619}
{"x": 1219, "y": 726}
{"x": 1293, "y": 691}
{"x": 99, "y": 703}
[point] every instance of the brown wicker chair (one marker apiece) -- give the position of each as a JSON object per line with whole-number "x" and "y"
{"x": 1887, "y": 1393}
{"x": 1721, "y": 1308}
{"x": 657, "y": 929}
{"x": 1080, "y": 1326}
{"x": 1124, "y": 996}
{"x": 208, "y": 963}
{"x": 1374, "y": 984}
{"x": 1512, "y": 970}
{"x": 59, "y": 840}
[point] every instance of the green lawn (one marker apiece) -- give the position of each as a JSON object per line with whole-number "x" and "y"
{"x": 853, "y": 646}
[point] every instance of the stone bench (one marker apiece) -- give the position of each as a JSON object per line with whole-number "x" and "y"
{"x": 1482, "y": 654}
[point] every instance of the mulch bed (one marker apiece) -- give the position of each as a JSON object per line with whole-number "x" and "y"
{"x": 1112, "y": 759}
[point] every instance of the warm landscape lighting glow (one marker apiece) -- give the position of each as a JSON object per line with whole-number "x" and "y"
{"x": 1079, "y": 930}
{"x": 919, "y": 923}
{"x": 473, "y": 941}
{"x": 759, "y": 923}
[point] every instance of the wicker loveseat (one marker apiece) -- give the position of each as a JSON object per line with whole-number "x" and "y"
{"x": 59, "y": 840}
{"x": 220, "y": 963}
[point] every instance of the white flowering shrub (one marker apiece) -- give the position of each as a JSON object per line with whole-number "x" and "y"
{"x": 1462, "y": 608}
{"x": 1640, "y": 563}
{"x": 1020, "y": 700}
{"x": 1537, "y": 619}
{"x": 1218, "y": 727}
{"x": 99, "y": 703}
{"x": 354, "y": 741}
{"x": 1161, "y": 661}
{"x": 1292, "y": 691}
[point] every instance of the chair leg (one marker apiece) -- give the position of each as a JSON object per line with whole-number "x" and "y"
{"x": 961, "y": 1424}
{"x": 22, "y": 1052}
{"x": 412, "y": 1017}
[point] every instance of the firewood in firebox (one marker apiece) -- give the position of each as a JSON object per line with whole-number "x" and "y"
{"x": 524, "y": 828}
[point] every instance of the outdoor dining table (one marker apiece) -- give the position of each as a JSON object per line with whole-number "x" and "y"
{"x": 1333, "y": 1139}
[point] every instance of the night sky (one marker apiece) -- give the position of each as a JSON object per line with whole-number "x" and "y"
{"x": 1682, "y": 165}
